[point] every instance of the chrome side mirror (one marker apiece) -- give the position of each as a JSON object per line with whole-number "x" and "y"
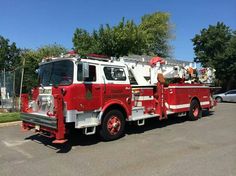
{"x": 85, "y": 70}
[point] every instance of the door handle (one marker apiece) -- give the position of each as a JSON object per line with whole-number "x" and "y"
{"x": 97, "y": 87}
{"x": 127, "y": 88}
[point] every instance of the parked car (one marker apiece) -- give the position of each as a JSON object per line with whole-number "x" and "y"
{"x": 229, "y": 96}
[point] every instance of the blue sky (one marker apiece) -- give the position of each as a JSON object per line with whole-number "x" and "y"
{"x": 33, "y": 23}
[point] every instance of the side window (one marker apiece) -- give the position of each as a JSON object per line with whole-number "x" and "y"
{"x": 232, "y": 92}
{"x": 114, "y": 74}
{"x": 92, "y": 73}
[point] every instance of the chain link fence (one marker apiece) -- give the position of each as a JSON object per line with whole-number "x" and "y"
{"x": 9, "y": 90}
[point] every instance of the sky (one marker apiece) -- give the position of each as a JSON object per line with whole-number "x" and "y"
{"x": 34, "y": 23}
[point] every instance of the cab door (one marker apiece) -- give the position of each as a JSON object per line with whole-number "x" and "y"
{"x": 89, "y": 89}
{"x": 116, "y": 86}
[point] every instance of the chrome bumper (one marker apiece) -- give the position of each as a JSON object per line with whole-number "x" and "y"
{"x": 41, "y": 120}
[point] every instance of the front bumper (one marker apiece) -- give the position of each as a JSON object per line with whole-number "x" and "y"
{"x": 52, "y": 125}
{"x": 41, "y": 120}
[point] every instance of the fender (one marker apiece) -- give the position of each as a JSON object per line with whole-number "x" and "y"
{"x": 203, "y": 103}
{"x": 194, "y": 97}
{"x": 110, "y": 103}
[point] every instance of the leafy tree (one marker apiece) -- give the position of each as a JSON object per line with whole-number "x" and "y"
{"x": 53, "y": 50}
{"x": 128, "y": 38}
{"x": 149, "y": 37}
{"x": 215, "y": 47}
{"x": 31, "y": 60}
{"x": 105, "y": 40}
{"x": 82, "y": 41}
{"x": 118, "y": 41}
{"x": 157, "y": 30}
{"x": 113, "y": 41}
{"x": 9, "y": 54}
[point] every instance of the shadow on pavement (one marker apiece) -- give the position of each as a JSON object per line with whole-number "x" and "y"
{"x": 77, "y": 138}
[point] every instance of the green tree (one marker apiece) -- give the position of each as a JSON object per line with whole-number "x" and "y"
{"x": 149, "y": 37}
{"x": 53, "y": 50}
{"x": 83, "y": 42}
{"x": 157, "y": 32}
{"x": 31, "y": 59}
{"x": 119, "y": 40}
{"x": 128, "y": 39}
{"x": 9, "y": 54}
{"x": 215, "y": 47}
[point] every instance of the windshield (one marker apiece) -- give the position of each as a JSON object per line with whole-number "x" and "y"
{"x": 56, "y": 73}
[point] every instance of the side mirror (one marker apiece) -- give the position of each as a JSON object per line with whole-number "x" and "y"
{"x": 85, "y": 70}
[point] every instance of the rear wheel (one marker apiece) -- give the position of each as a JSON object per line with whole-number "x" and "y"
{"x": 112, "y": 125}
{"x": 219, "y": 99}
{"x": 195, "y": 111}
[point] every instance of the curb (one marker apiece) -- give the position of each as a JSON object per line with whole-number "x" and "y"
{"x": 10, "y": 124}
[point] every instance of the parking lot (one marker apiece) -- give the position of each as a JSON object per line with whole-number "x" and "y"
{"x": 171, "y": 147}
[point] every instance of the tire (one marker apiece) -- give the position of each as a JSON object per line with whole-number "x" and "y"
{"x": 195, "y": 111}
{"x": 113, "y": 125}
{"x": 218, "y": 99}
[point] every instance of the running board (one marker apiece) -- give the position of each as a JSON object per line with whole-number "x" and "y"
{"x": 138, "y": 115}
{"x": 146, "y": 116}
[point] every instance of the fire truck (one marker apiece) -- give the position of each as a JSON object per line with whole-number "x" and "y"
{"x": 100, "y": 94}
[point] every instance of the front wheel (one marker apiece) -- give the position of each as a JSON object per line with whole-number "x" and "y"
{"x": 195, "y": 111}
{"x": 219, "y": 99}
{"x": 113, "y": 125}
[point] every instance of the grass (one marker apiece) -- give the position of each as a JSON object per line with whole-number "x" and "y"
{"x": 9, "y": 117}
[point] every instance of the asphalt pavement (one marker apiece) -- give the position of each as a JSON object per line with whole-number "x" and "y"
{"x": 206, "y": 147}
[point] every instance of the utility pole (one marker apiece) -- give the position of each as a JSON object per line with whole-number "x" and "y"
{"x": 21, "y": 82}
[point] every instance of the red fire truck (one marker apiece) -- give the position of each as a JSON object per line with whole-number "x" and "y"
{"x": 99, "y": 94}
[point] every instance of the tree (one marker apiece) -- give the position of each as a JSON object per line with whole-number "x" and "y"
{"x": 53, "y": 50}
{"x": 82, "y": 41}
{"x": 119, "y": 40}
{"x": 128, "y": 38}
{"x": 215, "y": 47}
{"x": 9, "y": 54}
{"x": 157, "y": 30}
{"x": 149, "y": 37}
{"x": 31, "y": 61}
{"x": 116, "y": 41}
